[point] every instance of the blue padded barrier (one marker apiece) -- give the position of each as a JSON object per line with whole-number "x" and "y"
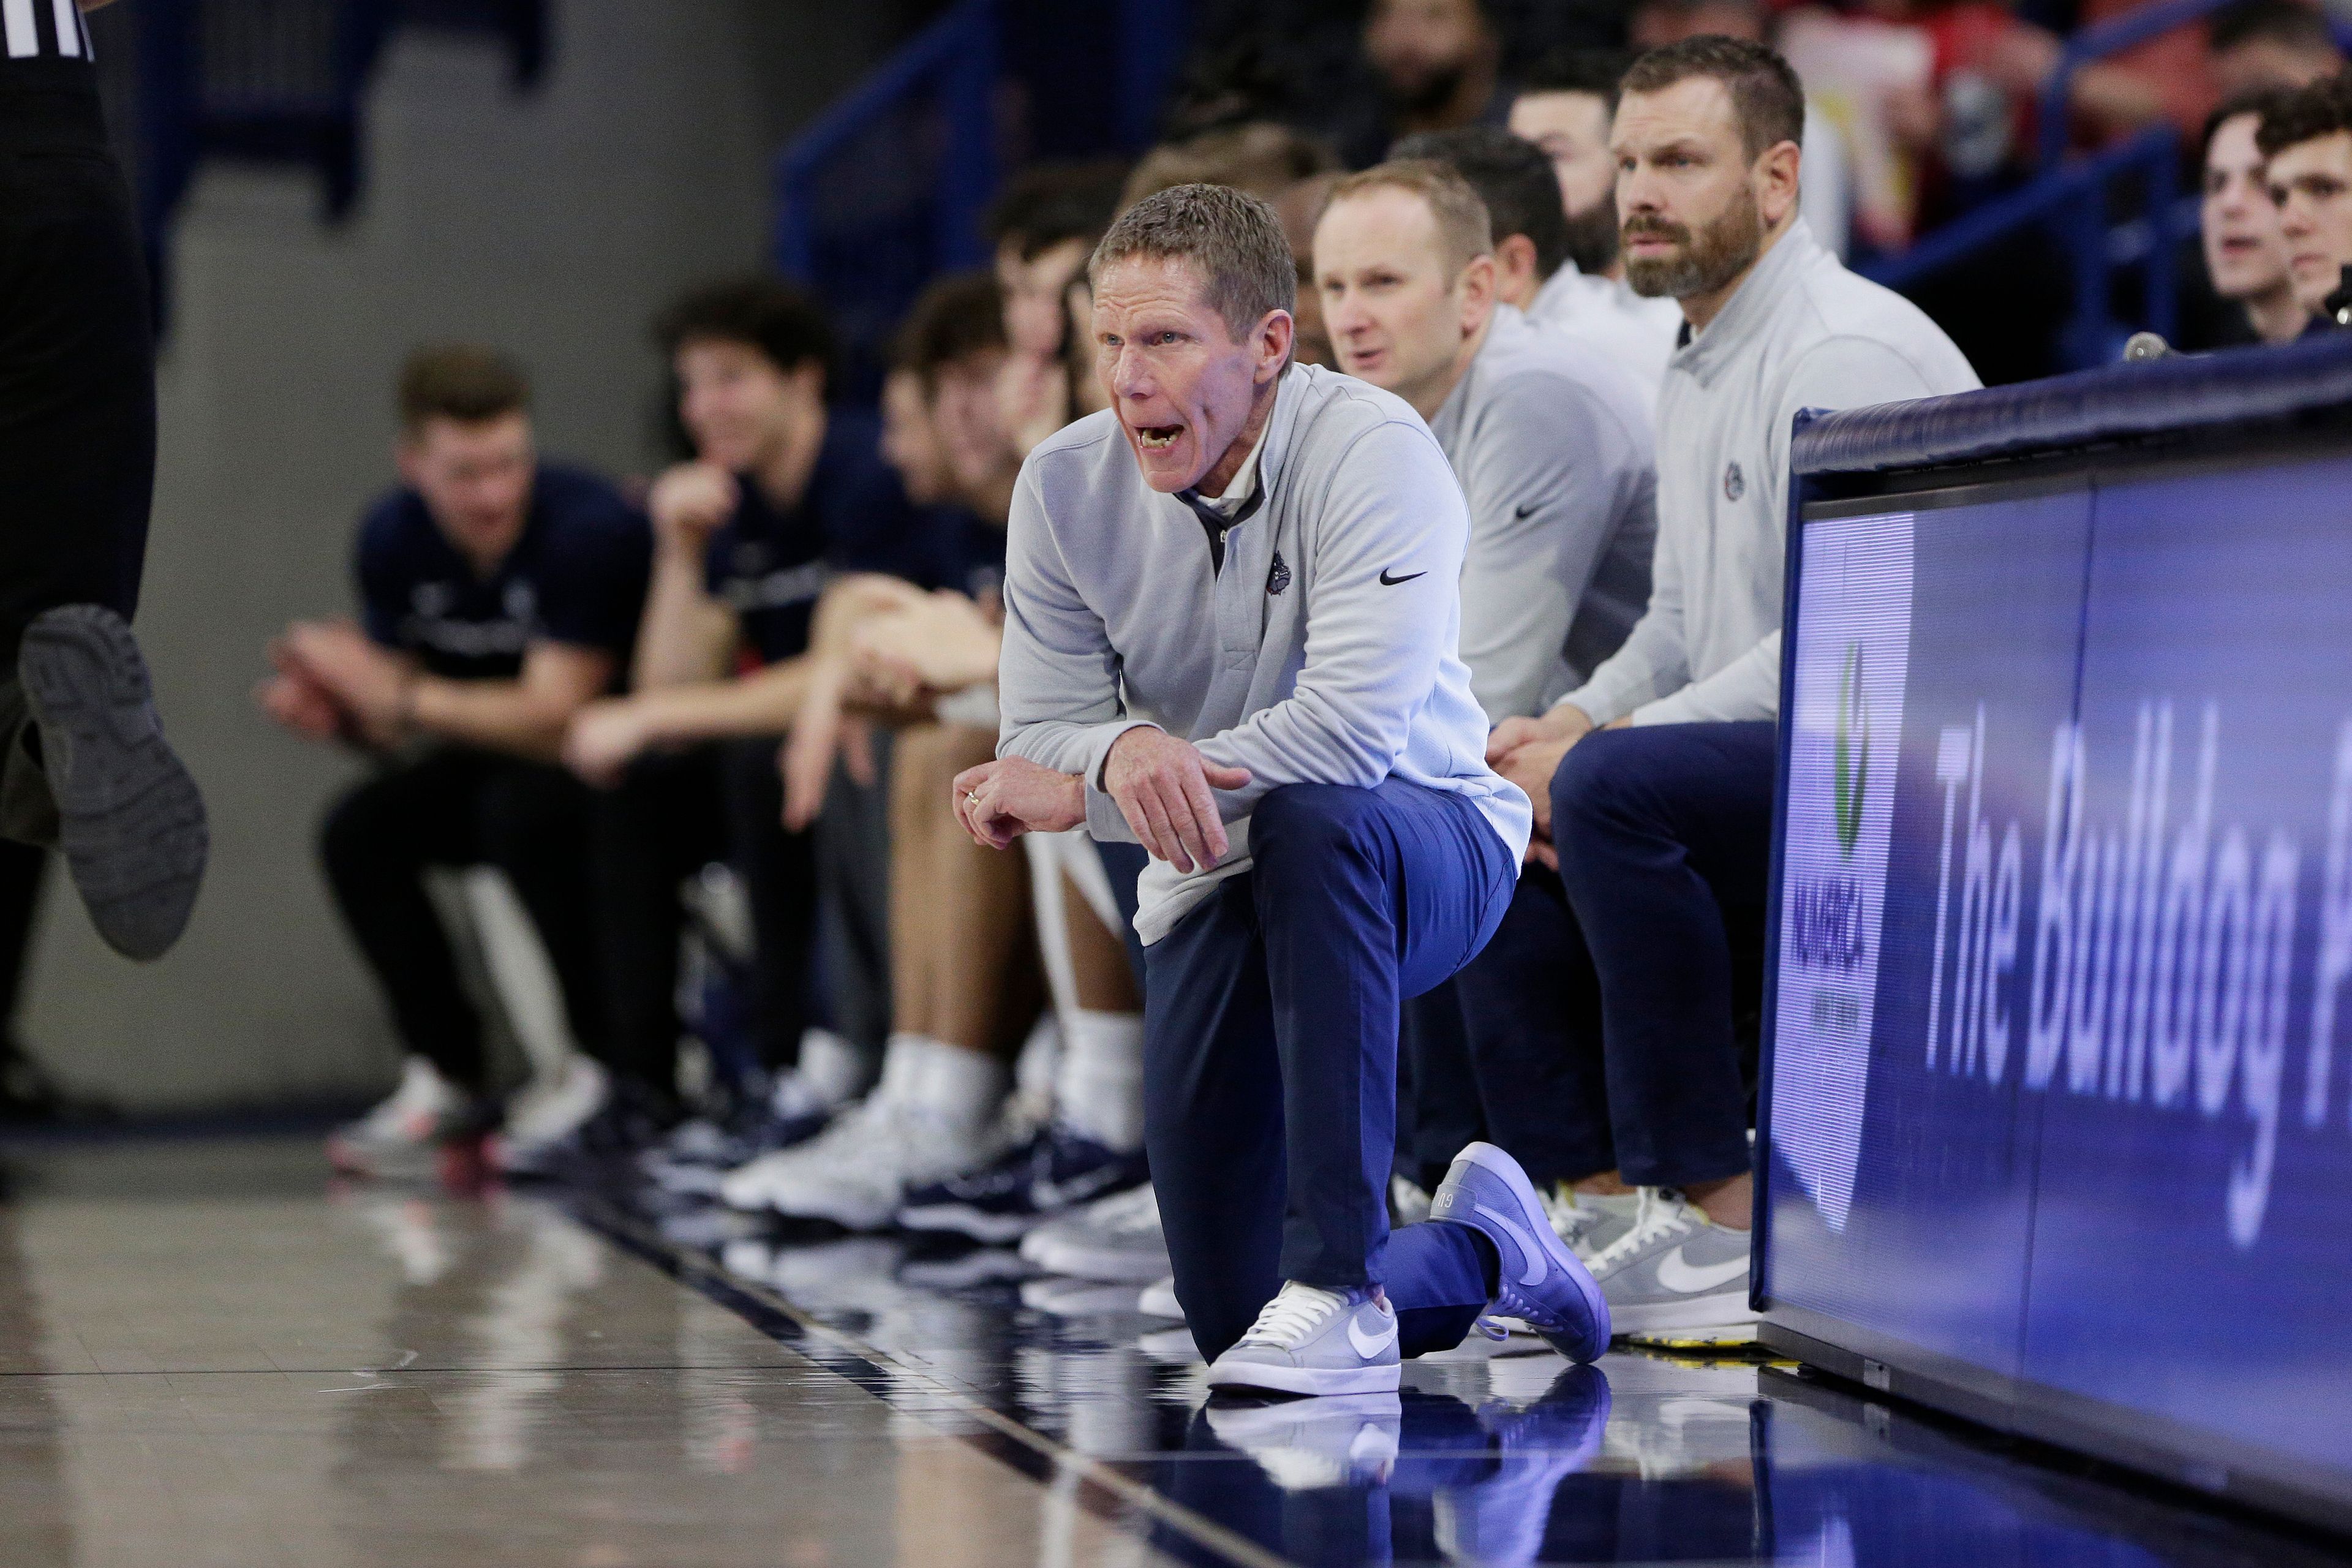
{"x": 2112, "y": 403}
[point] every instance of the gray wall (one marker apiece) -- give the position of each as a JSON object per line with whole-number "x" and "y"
{"x": 553, "y": 224}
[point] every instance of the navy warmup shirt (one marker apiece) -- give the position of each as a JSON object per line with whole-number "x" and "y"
{"x": 577, "y": 575}
{"x": 963, "y": 552}
{"x": 771, "y": 565}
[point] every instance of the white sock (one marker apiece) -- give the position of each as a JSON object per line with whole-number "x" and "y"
{"x": 905, "y": 1060}
{"x": 839, "y": 1071}
{"x": 1098, "y": 1089}
{"x": 961, "y": 1087}
{"x": 1036, "y": 1069}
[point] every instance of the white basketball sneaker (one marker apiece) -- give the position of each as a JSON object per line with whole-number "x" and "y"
{"x": 858, "y": 1171}
{"x": 404, "y": 1132}
{"x": 1308, "y": 1339}
{"x": 1589, "y": 1222}
{"x": 1116, "y": 1240}
{"x": 1675, "y": 1269}
{"x": 547, "y": 1112}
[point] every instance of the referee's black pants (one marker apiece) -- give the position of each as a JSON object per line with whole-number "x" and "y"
{"x": 455, "y": 807}
{"x": 77, "y": 386}
{"x": 673, "y": 814}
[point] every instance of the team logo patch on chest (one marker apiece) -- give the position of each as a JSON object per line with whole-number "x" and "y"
{"x": 1734, "y": 484}
{"x": 1278, "y": 577}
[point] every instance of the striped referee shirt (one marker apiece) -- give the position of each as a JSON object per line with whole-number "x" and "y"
{"x": 45, "y": 29}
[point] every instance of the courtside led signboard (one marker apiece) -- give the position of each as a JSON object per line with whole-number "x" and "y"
{"x": 2058, "y": 1129}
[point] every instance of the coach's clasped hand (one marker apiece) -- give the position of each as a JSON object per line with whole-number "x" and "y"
{"x": 1163, "y": 785}
{"x": 998, "y": 802}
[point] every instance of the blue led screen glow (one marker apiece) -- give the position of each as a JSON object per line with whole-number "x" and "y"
{"x": 2061, "y": 1072}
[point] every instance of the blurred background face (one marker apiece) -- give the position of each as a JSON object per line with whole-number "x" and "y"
{"x": 909, "y": 443}
{"x": 738, "y": 408}
{"x": 1299, "y": 208}
{"x": 2244, "y": 253}
{"x": 1032, "y": 294}
{"x": 1086, "y": 393}
{"x": 1181, "y": 385}
{"x": 1424, "y": 49}
{"x": 1391, "y": 301}
{"x": 2312, "y": 182}
{"x": 974, "y": 451}
{"x": 1691, "y": 221}
{"x": 474, "y": 477}
{"x": 1572, "y": 129}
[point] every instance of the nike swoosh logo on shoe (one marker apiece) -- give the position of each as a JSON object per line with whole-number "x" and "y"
{"x": 1072, "y": 1193}
{"x": 1370, "y": 1346}
{"x": 1537, "y": 1262}
{"x": 1691, "y": 1277}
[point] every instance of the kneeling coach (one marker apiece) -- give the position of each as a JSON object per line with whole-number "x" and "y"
{"x": 1231, "y": 603}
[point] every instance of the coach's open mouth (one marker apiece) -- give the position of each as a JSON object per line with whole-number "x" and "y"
{"x": 1158, "y": 437}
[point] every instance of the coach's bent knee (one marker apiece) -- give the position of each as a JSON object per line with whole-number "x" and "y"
{"x": 1305, "y": 825}
{"x": 1596, "y": 783}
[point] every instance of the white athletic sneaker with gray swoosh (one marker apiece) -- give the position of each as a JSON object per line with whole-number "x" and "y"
{"x": 1308, "y": 1339}
{"x": 1676, "y": 1269}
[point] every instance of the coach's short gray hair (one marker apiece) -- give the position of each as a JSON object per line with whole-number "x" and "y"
{"x": 1233, "y": 237}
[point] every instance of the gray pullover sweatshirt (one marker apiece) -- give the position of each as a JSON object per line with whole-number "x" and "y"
{"x": 1635, "y": 334}
{"x": 1552, "y": 446}
{"x": 1801, "y": 333}
{"x": 1322, "y": 651}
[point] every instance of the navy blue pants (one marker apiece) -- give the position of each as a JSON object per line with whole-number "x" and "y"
{"x": 1502, "y": 1048}
{"x": 1269, "y": 1057}
{"x": 1665, "y": 834}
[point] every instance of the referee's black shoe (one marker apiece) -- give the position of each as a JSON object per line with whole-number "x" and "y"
{"x": 129, "y": 819}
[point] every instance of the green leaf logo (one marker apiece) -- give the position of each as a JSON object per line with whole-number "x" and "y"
{"x": 1852, "y": 757}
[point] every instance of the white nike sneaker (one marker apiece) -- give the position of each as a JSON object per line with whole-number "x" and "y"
{"x": 858, "y": 1171}
{"x": 1116, "y": 1240}
{"x": 1308, "y": 1339}
{"x": 1310, "y": 1445}
{"x": 404, "y": 1132}
{"x": 1589, "y": 1222}
{"x": 548, "y": 1112}
{"x": 1676, "y": 1269}
{"x": 1158, "y": 1300}
{"x": 1061, "y": 1298}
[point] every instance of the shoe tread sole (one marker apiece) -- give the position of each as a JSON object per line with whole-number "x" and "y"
{"x": 132, "y": 822}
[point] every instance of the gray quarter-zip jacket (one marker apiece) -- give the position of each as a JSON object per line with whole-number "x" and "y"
{"x": 1322, "y": 652}
{"x": 1801, "y": 333}
{"x": 1552, "y": 446}
{"x": 1635, "y": 334}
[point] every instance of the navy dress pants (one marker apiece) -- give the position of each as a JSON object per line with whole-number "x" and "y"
{"x": 1530, "y": 1010}
{"x": 1664, "y": 836}
{"x": 1269, "y": 1057}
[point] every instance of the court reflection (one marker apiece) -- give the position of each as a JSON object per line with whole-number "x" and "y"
{"x": 206, "y": 1357}
{"x": 1490, "y": 1455}
{"x": 251, "y": 1370}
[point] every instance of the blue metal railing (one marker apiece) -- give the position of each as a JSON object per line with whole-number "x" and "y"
{"x": 956, "y": 58}
{"x": 282, "y": 81}
{"x": 2071, "y": 199}
{"x": 891, "y": 184}
{"x": 2100, "y": 42}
